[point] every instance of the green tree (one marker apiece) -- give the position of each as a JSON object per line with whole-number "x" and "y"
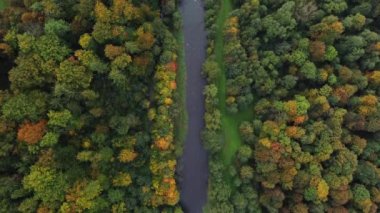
{"x": 23, "y": 106}
{"x": 47, "y": 183}
{"x": 50, "y": 47}
{"x": 59, "y": 118}
{"x": 30, "y": 73}
{"x": 211, "y": 70}
{"x": 367, "y": 173}
{"x": 57, "y": 27}
{"x": 101, "y": 32}
{"x": 362, "y": 197}
{"x": 72, "y": 78}
{"x": 355, "y": 22}
{"x": 280, "y": 23}
{"x": 352, "y": 48}
{"x": 244, "y": 153}
{"x": 335, "y": 6}
{"x": 239, "y": 202}
{"x": 309, "y": 70}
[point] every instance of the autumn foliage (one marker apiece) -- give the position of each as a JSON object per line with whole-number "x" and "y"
{"x": 31, "y": 133}
{"x": 87, "y": 89}
{"x": 302, "y": 87}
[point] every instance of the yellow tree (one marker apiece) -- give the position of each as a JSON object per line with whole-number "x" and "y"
{"x": 145, "y": 37}
{"x": 102, "y": 13}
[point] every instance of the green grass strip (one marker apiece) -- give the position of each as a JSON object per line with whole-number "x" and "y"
{"x": 230, "y": 122}
{"x": 181, "y": 121}
{"x": 3, "y": 4}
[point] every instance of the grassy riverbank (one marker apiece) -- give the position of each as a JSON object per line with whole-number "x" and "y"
{"x": 3, "y": 4}
{"x": 181, "y": 120}
{"x": 230, "y": 122}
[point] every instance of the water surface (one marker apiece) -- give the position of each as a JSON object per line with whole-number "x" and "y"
{"x": 194, "y": 162}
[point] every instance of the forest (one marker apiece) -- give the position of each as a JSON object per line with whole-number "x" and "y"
{"x": 87, "y": 106}
{"x": 92, "y": 115}
{"x": 299, "y": 81}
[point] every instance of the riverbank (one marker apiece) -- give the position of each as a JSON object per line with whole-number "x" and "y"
{"x": 181, "y": 114}
{"x": 3, "y": 4}
{"x": 229, "y": 122}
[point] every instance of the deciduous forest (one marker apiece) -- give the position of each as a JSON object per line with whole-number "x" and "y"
{"x": 299, "y": 82}
{"x": 87, "y": 106}
{"x": 308, "y": 74}
{"x": 93, "y": 114}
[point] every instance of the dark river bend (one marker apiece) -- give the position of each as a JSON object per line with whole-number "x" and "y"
{"x": 194, "y": 162}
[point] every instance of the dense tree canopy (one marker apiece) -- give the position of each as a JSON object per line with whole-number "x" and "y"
{"x": 86, "y": 122}
{"x": 308, "y": 72}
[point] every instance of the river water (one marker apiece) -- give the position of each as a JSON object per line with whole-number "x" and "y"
{"x": 194, "y": 162}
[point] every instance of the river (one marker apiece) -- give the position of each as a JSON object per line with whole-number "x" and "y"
{"x": 194, "y": 162}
